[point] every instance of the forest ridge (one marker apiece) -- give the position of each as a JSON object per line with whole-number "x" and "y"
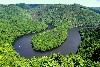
{"x": 19, "y": 19}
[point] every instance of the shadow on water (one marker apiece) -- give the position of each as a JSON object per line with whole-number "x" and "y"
{"x": 24, "y": 47}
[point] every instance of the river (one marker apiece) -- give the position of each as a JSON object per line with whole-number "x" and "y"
{"x": 23, "y": 45}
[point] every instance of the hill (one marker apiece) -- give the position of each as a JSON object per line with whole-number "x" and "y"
{"x": 96, "y": 9}
{"x": 20, "y": 19}
{"x": 73, "y": 14}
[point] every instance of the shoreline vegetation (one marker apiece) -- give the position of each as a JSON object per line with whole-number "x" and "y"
{"x": 17, "y": 20}
{"x": 49, "y": 39}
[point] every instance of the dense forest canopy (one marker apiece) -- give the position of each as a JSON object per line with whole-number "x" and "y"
{"x": 95, "y": 9}
{"x": 75, "y": 14}
{"x": 61, "y": 15}
{"x": 20, "y": 19}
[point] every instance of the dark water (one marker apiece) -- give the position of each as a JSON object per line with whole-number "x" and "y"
{"x": 23, "y": 45}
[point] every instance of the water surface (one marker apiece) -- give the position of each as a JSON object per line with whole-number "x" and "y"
{"x": 23, "y": 45}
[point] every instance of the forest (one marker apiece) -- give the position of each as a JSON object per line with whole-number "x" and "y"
{"x": 17, "y": 20}
{"x": 96, "y": 9}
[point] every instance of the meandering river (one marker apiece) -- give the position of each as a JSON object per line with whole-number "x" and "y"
{"x": 23, "y": 45}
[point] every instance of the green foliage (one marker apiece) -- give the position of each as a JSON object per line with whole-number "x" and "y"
{"x": 9, "y": 58}
{"x": 90, "y": 46}
{"x": 74, "y": 14}
{"x": 49, "y": 39}
{"x": 95, "y": 9}
{"x": 15, "y": 22}
{"x": 70, "y": 60}
{"x": 44, "y": 62}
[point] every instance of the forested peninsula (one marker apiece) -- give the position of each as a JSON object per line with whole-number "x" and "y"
{"x": 17, "y": 20}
